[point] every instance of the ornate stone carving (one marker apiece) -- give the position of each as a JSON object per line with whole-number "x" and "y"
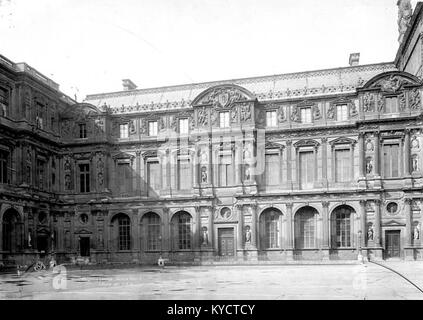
{"x": 223, "y": 97}
{"x": 316, "y": 112}
{"x": 245, "y": 112}
{"x": 402, "y": 101}
{"x": 202, "y": 117}
{"x": 414, "y": 99}
{"x": 405, "y": 12}
{"x": 161, "y": 124}
{"x": 295, "y": 115}
{"x": 143, "y": 126}
{"x": 369, "y": 102}
{"x": 380, "y": 102}
{"x": 213, "y": 118}
{"x": 281, "y": 114}
{"x": 234, "y": 115}
{"x": 331, "y": 112}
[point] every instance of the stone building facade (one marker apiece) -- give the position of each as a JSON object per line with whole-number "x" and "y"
{"x": 320, "y": 165}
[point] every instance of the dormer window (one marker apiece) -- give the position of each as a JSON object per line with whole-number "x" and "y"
{"x": 306, "y": 115}
{"x": 342, "y": 112}
{"x": 82, "y": 131}
{"x": 124, "y": 131}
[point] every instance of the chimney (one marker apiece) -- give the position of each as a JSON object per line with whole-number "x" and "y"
{"x": 354, "y": 59}
{"x": 128, "y": 85}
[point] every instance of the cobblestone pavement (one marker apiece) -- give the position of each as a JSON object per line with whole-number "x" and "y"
{"x": 366, "y": 281}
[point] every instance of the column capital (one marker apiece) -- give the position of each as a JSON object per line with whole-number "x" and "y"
{"x": 325, "y": 204}
{"x": 363, "y": 203}
{"x": 408, "y": 201}
{"x": 324, "y": 140}
{"x": 377, "y": 202}
{"x": 289, "y": 205}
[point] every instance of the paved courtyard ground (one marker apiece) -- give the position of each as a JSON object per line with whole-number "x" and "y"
{"x": 358, "y": 282}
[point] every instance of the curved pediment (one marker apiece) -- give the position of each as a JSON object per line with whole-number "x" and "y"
{"x": 392, "y": 81}
{"x": 80, "y": 110}
{"x": 306, "y": 143}
{"x": 223, "y": 96}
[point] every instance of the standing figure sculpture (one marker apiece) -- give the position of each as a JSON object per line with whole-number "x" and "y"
{"x": 405, "y": 11}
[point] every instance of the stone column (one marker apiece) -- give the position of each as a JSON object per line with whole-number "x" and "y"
{"x": 254, "y": 226}
{"x": 325, "y": 226}
{"x": 325, "y": 162}
{"x": 210, "y": 226}
{"x": 289, "y": 231}
{"x": 377, "y": 235}
{"x": 361, "y": 151}
{"x": 377, "y": 155}
{"x": 407, "y": 160}
{"x": 363, "y": 223}
{"x": 238, "y": 163}
{"x": 197, "y": 232}
{"x": 408, "y": 222}
{"x": 289, "y": 163}
{"x": 138, "y": 173}
{"x": 166, "y": 234}
{"x": 240, "y": 234}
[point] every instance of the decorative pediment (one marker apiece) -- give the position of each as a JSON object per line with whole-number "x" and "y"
{"x": 223, "y": 96}
{"x": 343, "y": 140}
{"x": 80, "y": 111}
{"x": 83, "y": 231}
{"x": 393, "y": 223}
{"x": 392, "y": 82}
{"x": 273, "y": 145}
{"x": 306, "y": 143}
{"x": 122, "y": 156}
{"x": 149, "y": 154}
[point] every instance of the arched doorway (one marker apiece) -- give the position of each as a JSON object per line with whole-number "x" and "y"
{"x": 12, "y": 231}
{"x": 306, "y": 228}
{"x": 270, "y": 229}
{"x": 342, "y": 227}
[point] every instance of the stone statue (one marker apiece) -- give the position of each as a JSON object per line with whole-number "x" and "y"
{"x": 203, "y": 174}
{"x": 281, "y": 115}
{"x": 247, "y": 172}
{"x": 247, "y": 234}
{"x": 205, "y": 236}
{"x": 370, "y": 233}
{"x": 369, "y": 166}
{"x": 68, "y": 182}
{"x": 405, "y": 12}
{"x": 100, "y": 179}
{"x": 331, "y": 112}
{"x": 416, "y": 234}
{"x": 415, "y": 163}
{"x": 67, "y": 165}
{"x": 295, "y": 116}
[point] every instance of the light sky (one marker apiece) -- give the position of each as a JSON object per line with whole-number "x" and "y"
{"x": 89, "y": 46}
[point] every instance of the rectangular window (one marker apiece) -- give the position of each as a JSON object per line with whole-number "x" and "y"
{"x": 272, "y": 169}
{"x": 124, "y": 177}
{"x": 391, "y": 105}
{"x": 124, "y": 131}
{"x": 153, "y": 169}
{"x": 307, "y": 169}
{"x": 82, "y": 131}
{"x": 342, "y": 165}
{"x": 153, "y": 232}
{"x": 306, "y": 115}
{"x": 226, "y": 170}
{"x": 84, "y": 178}
{"x": 4, "y": 156}
{"x": 124, "y": 234}
{"x": 184, "y": 171}
{"x": 271, "y": 119}
{"x": 183, "y": 126}
{"x": 224, "y": 119}
{"x": 342, "y": 113}
{"x": 152, "y": 128}
{"x": 391, "y": 158}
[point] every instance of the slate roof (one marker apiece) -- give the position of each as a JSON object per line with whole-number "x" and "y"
{"x": 268, "y": 88}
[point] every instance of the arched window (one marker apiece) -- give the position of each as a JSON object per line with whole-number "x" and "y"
{"x": 305, "y": 228}
{"x": 152, "y": 229}
{"x": 122, "y": 225}
{"x": 181, "y": 222}
{"x": 11, "y": 230}
{"x": 341, "y": 227}
{"x": 270, "y": 229}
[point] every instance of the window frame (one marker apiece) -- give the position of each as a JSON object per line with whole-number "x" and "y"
{"x": 399, "y": 158}
{"x": 82, "y": 130}
{"x": 303, "y": 237}
{"x": 274, "y": 119}
{"x": 227, "y": 120}
{"x": 306, "y": 108}
{"x": 124, "y": 130}
{"x": 124, "y": 233}
{"x": 155, "y": 128}
{"x": 347, "y": 112}
{"x": 86, "y": 176}
{"x": 186, "y": 131}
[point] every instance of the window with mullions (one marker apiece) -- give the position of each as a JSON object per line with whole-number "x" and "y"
{"x": 124, "y": 131}
{"x": 270, "y": 221}
{"x": 4, "y": 159}
{"x": 184, "y": 172}
{"x": 306, "y": 115}
{"x": 391, "y": 104}
{"x": 84, "y": 178}
{"x": 224, "y": 119}
{"x": 271, "y": 119}
{"x": 82, "y": 130}
{"x": 391, "y": 156}
{"x": 183, "y": 226}
{"x": 153, "y": 226}
{"x": 342, "y": 165}
{"x": 124, "y": 225}
{"x": 343, "y": 228}
{"x": 305, "y": 227}
{"x": 152, "y": 128}
{"x": 225, "y": 170}
{"x": 342, "y": 112}
{"x": 272, "y": 169}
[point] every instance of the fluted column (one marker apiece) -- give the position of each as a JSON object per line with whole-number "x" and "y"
{"x": 289, "y": 163}
{"x": 363, "y": 223}
{"x": 377, "y": 154}
{"x": 238, "y": 162}
{"x": 240, "y": 235}
{"x": 408, "y": 223}
{"x": 325, "y": 227}
{"x": 377, "y": 224}
{"x": 210, "y": 226}
{"x": 254, "y": 226}
{"x": 407, "y": 160}
{"x": 325, "y": 161}
{"x": 361, "y": 155}
{"x": 289, "y": 226}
